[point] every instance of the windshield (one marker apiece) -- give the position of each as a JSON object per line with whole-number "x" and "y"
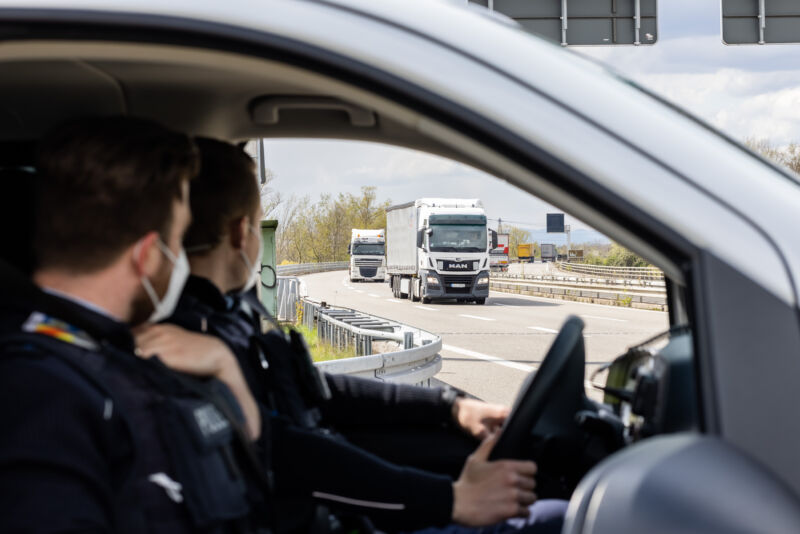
{"x": 372, "y": 249}
{"x": 457, "y": 238}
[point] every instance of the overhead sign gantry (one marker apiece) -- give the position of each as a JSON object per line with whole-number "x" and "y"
{"x": 583, "y": 22}
{"x": 760, "y": 21}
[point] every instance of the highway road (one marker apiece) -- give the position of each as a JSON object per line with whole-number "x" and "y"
{"x": 488, "y": 350}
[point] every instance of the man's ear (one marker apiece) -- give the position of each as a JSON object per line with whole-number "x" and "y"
{"x": 145, "y": 254}
{"x": 238, "y": 232}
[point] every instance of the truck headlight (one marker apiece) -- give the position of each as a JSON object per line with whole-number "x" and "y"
{"x": 432, "y": 280}
{"x": 482, "y": 280}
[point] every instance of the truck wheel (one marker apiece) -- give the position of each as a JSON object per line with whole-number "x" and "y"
{"x": 426, "y": 300}
{"x": 480, "y": 301}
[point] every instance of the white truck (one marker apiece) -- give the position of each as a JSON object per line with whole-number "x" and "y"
{"x": 367, "y": 255}
{"x": 437, "y": 248}
{"x": 498, "y": 254}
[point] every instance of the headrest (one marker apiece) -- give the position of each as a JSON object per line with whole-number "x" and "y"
{"x": 17, "y": 217}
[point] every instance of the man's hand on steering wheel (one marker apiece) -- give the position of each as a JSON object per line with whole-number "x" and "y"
{"x": 477, "y": 418}
{"x": 488, "y": 492}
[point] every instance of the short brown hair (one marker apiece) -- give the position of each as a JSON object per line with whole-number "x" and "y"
{"x": 224, "y": 190}
{"x": 105, "y": 183}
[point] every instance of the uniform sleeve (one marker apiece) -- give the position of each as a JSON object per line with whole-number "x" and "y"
{"x": 348, "y": 479}
{"x": 359, "y": 401}
{"x": 53, "y": 474}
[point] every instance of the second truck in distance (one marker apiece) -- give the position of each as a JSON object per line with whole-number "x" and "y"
{"x": 367, "y": 255}
{"x": 437, "y": 248}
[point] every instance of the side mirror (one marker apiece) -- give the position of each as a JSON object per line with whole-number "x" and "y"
{"x": 494, "y": 239}
{"x": 420, "y": 238}
{"x": 348, "y": 247}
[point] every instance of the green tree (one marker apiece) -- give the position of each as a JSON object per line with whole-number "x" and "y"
{"x": 320, "y": 231}
{"x": 787, "y": 156}
{"x": 516, "y": 236}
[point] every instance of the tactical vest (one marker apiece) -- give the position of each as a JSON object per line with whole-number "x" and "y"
{"x": 277, "y": 366}
{"x": 190, "y": 449}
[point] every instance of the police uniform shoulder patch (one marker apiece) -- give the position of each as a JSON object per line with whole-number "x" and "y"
{"x": 41, "y": 323}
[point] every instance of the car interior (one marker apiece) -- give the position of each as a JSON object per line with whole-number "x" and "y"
{"x": 649, "y": 390}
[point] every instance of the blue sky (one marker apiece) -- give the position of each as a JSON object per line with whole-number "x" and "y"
{"x": 746, "y": 91}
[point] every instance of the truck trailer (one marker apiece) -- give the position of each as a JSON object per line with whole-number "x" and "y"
{"x": 549, "y": 252}
{"x": 367, "y": 255}
{"x": 437, "y": 248}
{"x": 525, "y": 252}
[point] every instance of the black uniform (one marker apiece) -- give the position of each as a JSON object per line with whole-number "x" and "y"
{"x": 310, "y": 462}
{"x": 94, "y": 439}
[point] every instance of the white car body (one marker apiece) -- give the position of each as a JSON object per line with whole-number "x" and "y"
{"x": 559, "y": 126}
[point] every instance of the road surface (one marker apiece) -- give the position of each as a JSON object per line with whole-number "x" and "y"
{"x": 488, "y": 350}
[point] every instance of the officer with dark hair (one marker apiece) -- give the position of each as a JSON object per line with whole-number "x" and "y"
{"x": 95, "y": 438}
{"x": 433, "y": 429}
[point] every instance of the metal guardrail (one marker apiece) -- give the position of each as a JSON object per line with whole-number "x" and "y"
{"x": 416, "y": 363}
{"x": 290, "y": 291}
{"x": 639, "y": 273}
{"x": 309, "y": 268}
{"x": 580, "y": 281}
{"x": 644, "y": 299}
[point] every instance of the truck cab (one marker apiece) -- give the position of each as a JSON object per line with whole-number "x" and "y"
{"x": 367, "y": 255}
{"x": 438, "y": 249}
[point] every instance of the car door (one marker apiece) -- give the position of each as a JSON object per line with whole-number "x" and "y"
{"x": 570, "y": 133}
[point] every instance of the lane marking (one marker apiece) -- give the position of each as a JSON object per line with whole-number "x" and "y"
{"x": 428, "y": 308}
{"x": 500, "y": 361}
{"x": 506, "y": 305}
{"x": 393, "y": 300}
{"x": 489, "y": 358}
{"x": 358, "y": 291}
{"x": 542, "y": 329}
{"x": 374, "y": 295}
{"x": 476, "y": 317}
{"x": 605, "y": 318}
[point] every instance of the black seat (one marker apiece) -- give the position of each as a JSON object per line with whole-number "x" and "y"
{"x": 17, "y": 217}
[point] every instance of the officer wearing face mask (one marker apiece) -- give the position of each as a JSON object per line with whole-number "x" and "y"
{"x": 387, "y": 433}
{"x": 96, "y": 438}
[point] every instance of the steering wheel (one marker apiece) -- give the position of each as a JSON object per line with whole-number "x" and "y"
{"x": 544, "y": 412}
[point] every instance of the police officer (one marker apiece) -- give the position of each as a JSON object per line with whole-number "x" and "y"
{"x": 224, "y": 249}
{"x": 94, "y": 438}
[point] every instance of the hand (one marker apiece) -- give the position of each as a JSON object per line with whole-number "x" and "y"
{"x": 199, "y": 355}
{"x": 489, "y": 492}
{"x": 478, "y": 418}
{"x": 182, "y": 350}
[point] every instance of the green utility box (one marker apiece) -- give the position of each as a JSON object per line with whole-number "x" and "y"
{"x": 268, "y": 291}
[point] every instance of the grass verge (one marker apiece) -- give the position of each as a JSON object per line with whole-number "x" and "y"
{"x": 321, "y": 351}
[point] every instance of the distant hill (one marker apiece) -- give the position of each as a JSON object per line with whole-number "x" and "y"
{"x": 540, "y": 235}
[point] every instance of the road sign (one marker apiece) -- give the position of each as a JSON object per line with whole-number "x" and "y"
{"x": 575, "y": 255}
{"x": 555, "y": 223}
{"x": 583, "y": 22}
{"x": 760, "y": 21}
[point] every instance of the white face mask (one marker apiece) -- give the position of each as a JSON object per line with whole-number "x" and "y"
{"x": 253, "y": 267}
{"x": 163, "y": 307}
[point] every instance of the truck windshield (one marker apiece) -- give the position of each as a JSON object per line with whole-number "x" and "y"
{"x": 457, "y": 238}
{"x": 371, "y": 249}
